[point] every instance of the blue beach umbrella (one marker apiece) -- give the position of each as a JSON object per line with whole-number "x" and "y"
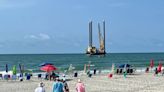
{"x": 124, "y": 65}
{"x": 6, "y": 68}
{"x": 45, "y": 63}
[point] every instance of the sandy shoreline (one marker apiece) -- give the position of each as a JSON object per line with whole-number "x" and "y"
{"x": 142, "y": 82}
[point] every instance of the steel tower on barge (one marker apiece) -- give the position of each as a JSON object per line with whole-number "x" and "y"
{"x": 92, "y": 50}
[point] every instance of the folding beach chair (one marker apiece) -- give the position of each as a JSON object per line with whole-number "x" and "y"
{"x": 75, "y": 74}
{"x": 1, "y": 77}
{"x": 121, "y": 71}
{"x": 117, "y": 71}
{"x": 39, "y": 76}
{"x": 6, "y": 77}
{"x": 14, "y": 77}
{"x": 28, "y": 77}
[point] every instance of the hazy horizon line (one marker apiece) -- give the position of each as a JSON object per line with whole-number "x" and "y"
{"x": 80, "y": 53}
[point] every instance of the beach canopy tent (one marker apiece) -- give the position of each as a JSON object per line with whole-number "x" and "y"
{"x": 45, "y": 63}
{"x": 48, "y": 68}
{"x": 124, "y": 65}
{"x": 127, "y": 68}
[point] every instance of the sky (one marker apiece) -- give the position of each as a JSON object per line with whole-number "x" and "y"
{"x": 61, "y": 26}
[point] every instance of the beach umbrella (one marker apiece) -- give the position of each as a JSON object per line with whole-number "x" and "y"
{"x": 45, "y": 63}
{"x": 6, "y": 68}
{"x": 124, "y": 65}
{"x": 20, "y": 68}
{"x": 71, "y": 67}
{"x": 85, "y": 67}
{"x": 14, "y": 70}
{"x": 48, "y": 68}
{"x": 113, "y": 68}
{"x": 151, "y": 63}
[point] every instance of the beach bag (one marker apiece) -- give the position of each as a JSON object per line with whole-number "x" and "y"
{"x": 110, "y": 75}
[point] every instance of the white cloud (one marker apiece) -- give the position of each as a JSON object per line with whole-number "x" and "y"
{"x": 40, "y": 36}
{"x": 33, "y": 37}
{"x": 44, "y": 36}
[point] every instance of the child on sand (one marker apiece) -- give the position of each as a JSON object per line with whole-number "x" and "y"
{"x": 40, "y": 88}
{"x": 80, "y": 86}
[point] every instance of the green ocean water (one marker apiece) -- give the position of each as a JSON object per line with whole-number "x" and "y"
{"x": 62, "y": 61}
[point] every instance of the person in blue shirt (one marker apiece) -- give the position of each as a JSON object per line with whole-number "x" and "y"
{"x": 57, "y": 86}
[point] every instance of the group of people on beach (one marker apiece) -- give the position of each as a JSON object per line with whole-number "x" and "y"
{"x": 61, "y": 86}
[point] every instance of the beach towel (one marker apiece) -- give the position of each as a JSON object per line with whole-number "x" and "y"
{"x": 80, "y": 87}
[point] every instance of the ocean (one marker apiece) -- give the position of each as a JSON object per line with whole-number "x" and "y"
{"x": 63, "y": 61}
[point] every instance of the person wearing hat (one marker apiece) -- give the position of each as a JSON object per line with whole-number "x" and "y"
{"x": 40, "y": 87}
{"x": 80, "y": 86}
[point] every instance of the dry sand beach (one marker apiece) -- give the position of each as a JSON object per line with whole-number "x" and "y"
{"x": 142, "y": 82}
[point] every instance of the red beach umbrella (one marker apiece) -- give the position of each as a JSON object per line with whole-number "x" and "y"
{"x": 48, "y": 68}
{"x": 151, "y": 63}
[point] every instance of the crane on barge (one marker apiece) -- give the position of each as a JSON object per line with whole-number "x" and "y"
{"x": 92, "y": 50}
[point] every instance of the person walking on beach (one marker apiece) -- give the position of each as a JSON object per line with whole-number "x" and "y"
{"x": 80, "y": 86}
{"x": 66, "y": 88}
{"x": 40, "y": 88}
{"x": 58, "y": 86}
